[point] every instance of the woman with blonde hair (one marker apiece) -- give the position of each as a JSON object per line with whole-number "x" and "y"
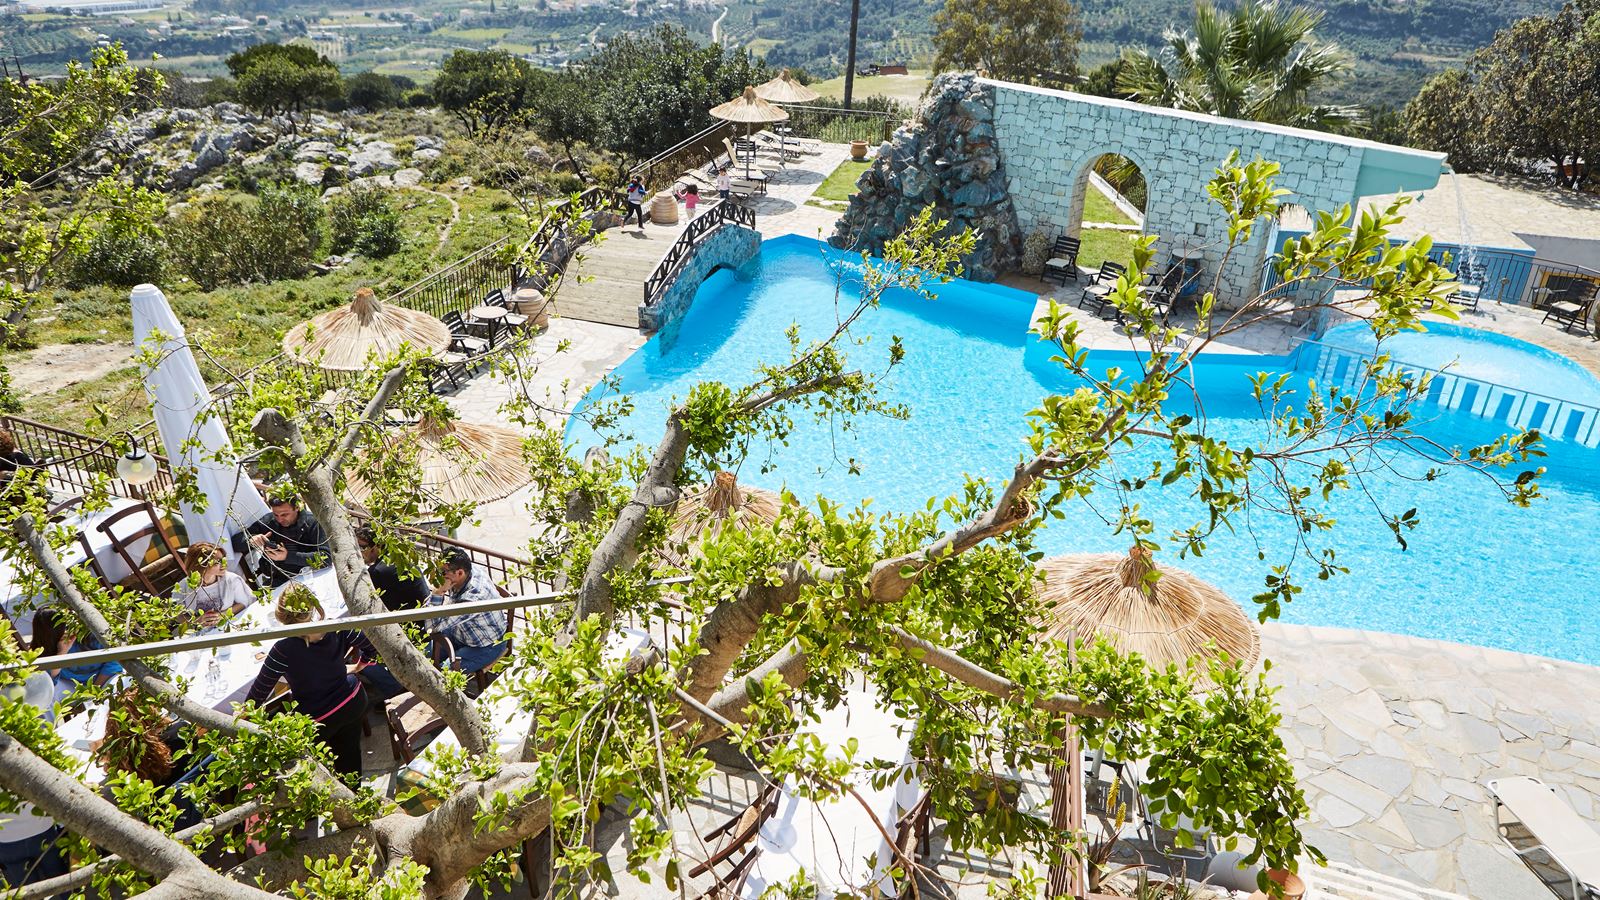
{"x": 322, "y": 684}
{"x": 211, "y": 588}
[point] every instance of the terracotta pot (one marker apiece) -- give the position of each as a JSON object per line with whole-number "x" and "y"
{"x": 858, "y": 149}
{"x": 1293, "y": 887}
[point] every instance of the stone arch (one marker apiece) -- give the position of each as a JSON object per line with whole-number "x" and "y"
{"x": 1078, "y": 184}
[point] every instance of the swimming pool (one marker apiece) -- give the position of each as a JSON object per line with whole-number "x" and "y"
{"x": 1478, "y": 570}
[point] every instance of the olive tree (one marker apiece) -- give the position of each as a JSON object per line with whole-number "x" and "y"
{"x": 936, "y": 610}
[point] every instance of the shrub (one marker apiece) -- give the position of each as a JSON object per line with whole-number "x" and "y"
{"x": 226, "y": 240}
{"x": 362, "y": 219}
{"x": 371, "y": 91}
{"x": 120, "y": 257}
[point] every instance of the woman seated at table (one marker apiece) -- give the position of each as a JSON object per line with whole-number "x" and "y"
{"x": 142, "y": 740}
{"x": 323, "y": 686}
{"x": 51, "y": 637}
{"x": 217, "y": 589}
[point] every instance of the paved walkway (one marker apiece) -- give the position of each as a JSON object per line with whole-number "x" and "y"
{"x": 1393, "y": 738}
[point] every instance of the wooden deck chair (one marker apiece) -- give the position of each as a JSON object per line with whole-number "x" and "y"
{"x": 734, "y": 835}
{"x": 156, "y": 570}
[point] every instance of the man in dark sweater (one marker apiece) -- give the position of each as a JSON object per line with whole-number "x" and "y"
{"x": 395, "y": 591}
{"x": 288, "y": 539}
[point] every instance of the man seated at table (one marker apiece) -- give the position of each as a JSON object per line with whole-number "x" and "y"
{"x": 287, "y": 540}
{"x": 395, "y": 590}
{"x": 477, "y": 639}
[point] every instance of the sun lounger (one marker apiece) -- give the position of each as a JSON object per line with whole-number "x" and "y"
{"x": 806, "y": 145}
{"x": 1555, "y": 830}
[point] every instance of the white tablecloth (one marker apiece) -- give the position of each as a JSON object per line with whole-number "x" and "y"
{"x": 508, "y": 721}
{"x": 223, "y": 684}
{"x": 839, "y": 844}
{"x": 111, "y": 563}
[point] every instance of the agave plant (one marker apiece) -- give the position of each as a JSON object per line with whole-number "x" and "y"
{"x": 1259, "y": 61}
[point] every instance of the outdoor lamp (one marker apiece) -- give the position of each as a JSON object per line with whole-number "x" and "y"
{"x": 136, "y": 467}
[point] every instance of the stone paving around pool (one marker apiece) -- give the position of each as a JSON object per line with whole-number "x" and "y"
{"x": 1392, "y": 737}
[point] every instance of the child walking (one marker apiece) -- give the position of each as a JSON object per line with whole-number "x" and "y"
{"x": 691, "y": 198}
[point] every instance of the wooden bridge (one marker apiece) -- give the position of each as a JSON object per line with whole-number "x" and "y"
{"x": 612, "y": 273}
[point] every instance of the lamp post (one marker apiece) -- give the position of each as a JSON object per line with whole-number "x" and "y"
{"x": 850, "y": 57}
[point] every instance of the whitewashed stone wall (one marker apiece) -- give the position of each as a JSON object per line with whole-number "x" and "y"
{"x": 1050, "y": 139}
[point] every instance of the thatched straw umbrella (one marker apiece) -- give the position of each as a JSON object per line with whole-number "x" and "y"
{"x": 340, "y": 340}
{"x": 784, "y": 89}
{"x": 460, "y": 462}
{"x": 1177, "y": 617}
{"x": 722, "y": 503}
{"x": 748, "y": 109}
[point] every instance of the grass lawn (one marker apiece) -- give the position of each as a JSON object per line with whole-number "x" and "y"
{"x": 1103, "y": 244}
{"x": 905, "y": 88}
{"x": 244, "y": 324}
{"x": 1097, "y": 207}
{"x": 841, "y": 185}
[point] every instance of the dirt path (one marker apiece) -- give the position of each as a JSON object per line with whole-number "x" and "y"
{"x": 55, "y": 366}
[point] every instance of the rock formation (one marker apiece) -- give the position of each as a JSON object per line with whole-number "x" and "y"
{"x": 948, "y": 160}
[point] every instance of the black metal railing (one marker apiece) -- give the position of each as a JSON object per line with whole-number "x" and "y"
{"x": 691, "y": 153}
{"x": 461, "y": 285}
{"x": 836, "y": 125}
{"x": 720, "y": 213}
{"x": 74, "y": 463}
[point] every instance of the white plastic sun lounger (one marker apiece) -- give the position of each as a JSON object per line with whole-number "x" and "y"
{"x": 1556, "y": 830}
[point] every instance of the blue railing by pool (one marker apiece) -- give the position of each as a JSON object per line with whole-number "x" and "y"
{"x": 1555, "y": 418}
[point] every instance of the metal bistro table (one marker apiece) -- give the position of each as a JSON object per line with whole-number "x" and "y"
{"x": 490, "y": 317}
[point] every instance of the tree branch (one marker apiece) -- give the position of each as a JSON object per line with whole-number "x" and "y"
{"x": 408, "y": 664}
{"x": 86, "y": 813}
{"x": 976, "y": 676}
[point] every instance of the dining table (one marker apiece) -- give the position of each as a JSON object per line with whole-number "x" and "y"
{"x": 490, "y": 317}
{"x": 217, "y": 677}
{"x": 842, "y": 844}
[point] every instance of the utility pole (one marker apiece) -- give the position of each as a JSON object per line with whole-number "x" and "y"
{"x": 850, "y": 61}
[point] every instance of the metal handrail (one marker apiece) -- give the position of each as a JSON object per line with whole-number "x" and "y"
{"x": 124, "y": 652}
{"x": 721, "y": 213}
{"x": 707, "y": 140}
{"x": 1488, "y": 388}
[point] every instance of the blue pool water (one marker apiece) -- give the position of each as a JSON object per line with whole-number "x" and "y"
{"x": 1479, "y": 354}
{"x": 1478, "y": 569}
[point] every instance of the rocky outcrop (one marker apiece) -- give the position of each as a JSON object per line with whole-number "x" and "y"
{"x": 947, "y": 159}
{"x": 175, "y": 149}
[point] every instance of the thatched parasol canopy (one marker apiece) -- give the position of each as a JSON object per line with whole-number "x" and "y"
{"x": 707, "y": 511}
{"x": 341, "y": 339}
{"x": 748, "y": 109}
{"x": 1177, "y": 617}
{"x": 784, "y": 89}
{"x": 460, "y": 462}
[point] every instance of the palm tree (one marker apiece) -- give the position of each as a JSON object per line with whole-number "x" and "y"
{"x": 1259, "y": 62}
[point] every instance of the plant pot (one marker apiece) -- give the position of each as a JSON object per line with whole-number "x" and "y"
{"x": 858, "y": 150}
{"x": 1293, "y": 887}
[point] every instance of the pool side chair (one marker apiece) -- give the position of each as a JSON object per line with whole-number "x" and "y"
{"x": 1470, "y": 279}
{"x": 1554, "y": 829}
{"x": 1574, "y": 312}
{"x": 1062, "y": 266}
{"x": 1097, "y": 292}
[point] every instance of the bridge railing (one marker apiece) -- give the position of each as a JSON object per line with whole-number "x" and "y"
{"x": 719, "y": 214}
{"x": 1554, "y": 417}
